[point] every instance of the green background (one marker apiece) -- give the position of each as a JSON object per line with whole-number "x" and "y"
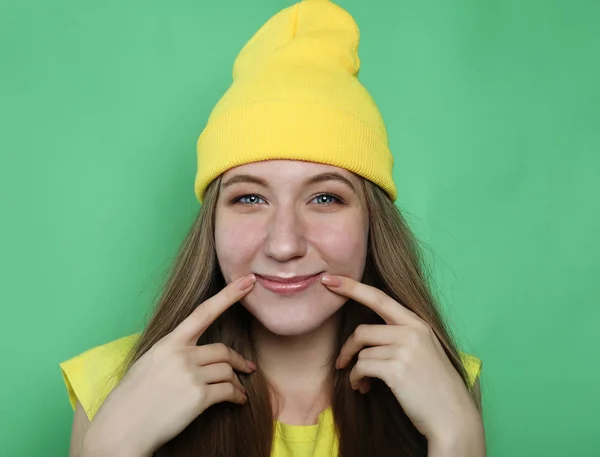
{"x": 493, "y": 116}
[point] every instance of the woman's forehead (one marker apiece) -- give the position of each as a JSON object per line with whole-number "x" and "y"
{"x": 286, "y": 169}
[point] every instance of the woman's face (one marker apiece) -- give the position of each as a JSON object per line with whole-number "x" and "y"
{"x": 287, "y": 218}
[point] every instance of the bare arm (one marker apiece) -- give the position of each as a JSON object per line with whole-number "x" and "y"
{"x": 470, "y": 443}
{"x": 80, "y": 425}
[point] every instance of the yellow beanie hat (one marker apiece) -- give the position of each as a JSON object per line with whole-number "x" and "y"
{"x": 295, "y": 95}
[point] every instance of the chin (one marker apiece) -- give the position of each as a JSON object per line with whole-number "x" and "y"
{"x": 292, "y": 315}
{"x": 289, "y": 327}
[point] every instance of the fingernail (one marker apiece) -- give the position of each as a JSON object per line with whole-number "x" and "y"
{"x": 246, "y": 281}
{"x": 331, "y": 281}
{"x": 337, "y": 363}
{"x": 251, "y": 365}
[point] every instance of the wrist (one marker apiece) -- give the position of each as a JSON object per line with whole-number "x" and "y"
{"x": 468, "y": 439}
{"x": 95, "y": 445}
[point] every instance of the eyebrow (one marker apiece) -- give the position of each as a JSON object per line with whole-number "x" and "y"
{"x": 322, "y": 177}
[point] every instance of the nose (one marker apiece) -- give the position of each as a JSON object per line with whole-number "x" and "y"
{"x": 285, "y": 238}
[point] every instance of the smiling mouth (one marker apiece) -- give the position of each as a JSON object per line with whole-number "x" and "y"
{"x": 287, "y": 286}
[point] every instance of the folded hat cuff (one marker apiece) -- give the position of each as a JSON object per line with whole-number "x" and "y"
{"x": 293, "y": 130}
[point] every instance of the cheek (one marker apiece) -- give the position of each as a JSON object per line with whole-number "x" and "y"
{"x": 343, "y": 244}
{"x": 235, "y": 244}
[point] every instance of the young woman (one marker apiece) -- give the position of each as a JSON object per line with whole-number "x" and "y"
{"x": 297, "y": 319}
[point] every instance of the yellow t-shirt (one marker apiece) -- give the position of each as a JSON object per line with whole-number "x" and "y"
{"x": 91, "y": 375}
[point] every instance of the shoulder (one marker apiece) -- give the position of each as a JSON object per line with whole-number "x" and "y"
{"x": 472, "y": 366}
{"x": 90, "y": 376}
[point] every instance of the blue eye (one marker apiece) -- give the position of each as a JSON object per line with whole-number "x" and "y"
{"x": 253, "y": 198}
{"x": 337, "y": 200}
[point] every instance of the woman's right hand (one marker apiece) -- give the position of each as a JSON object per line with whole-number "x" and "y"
{"x": 170, "y": 385}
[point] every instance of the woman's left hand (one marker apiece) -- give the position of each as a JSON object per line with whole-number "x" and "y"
{"x": 408, "y": 357}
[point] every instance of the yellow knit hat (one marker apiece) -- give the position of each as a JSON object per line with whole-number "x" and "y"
{"x": 295, "y": 95}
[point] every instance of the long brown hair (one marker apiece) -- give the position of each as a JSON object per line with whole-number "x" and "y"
{"x": 371, "y": 424}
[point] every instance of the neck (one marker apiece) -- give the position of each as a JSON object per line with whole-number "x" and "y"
{"x": 298, "y": 369}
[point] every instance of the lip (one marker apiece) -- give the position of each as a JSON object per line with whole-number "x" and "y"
{"x": 287, "y": 286}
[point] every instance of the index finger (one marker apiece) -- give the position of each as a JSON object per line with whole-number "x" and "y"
{"x": 385, "y": 306}
{"x": 193, "y": 326}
